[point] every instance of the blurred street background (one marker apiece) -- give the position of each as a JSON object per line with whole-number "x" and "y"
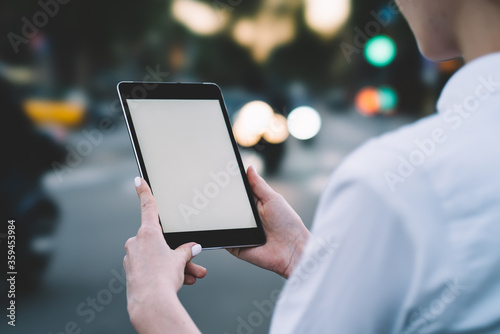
{"x": 305, "y": 83}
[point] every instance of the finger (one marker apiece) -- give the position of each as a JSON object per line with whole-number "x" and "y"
{"x": 189, "y": 280}
{"x": 195, "y": 270}
{"x": 260, "y": 188}
{"x": 234, "y": 251}
{"x": 188, "y": 251}
{"x": 149, "y": 212}
{"x": 125, "y": 262}
{"x": 129, "y": 244}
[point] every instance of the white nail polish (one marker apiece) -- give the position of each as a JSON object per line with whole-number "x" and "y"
{"x": 137, "y": 181}
{"x": 196, "y": 250}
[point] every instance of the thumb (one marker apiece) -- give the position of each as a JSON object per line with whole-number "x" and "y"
{"x": 260, "y": 188}
{"x": 189, "y": 250}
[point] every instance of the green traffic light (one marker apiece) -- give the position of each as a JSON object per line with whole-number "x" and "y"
{"x": 380, "y": 51}
{"x": 388, "y": 99}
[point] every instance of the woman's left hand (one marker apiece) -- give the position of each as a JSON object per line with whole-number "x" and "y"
{"x": 154, "y": 271}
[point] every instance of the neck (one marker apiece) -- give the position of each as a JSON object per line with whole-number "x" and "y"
{"x": 478, "y": 28}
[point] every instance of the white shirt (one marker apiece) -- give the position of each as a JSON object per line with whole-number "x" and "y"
{"x": 406, "y": 238}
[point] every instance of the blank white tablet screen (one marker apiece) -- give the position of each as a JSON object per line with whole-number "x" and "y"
{"x": 191, "y": 165}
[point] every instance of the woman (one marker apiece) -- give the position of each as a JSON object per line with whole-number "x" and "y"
{"x": 405, "y": 238}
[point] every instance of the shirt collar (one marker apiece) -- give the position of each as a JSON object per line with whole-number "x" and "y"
{"x": 477, "y": 80}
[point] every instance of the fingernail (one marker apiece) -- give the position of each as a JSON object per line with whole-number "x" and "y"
{"x": 137, "y": 181}
{"x": 196, "y": 250}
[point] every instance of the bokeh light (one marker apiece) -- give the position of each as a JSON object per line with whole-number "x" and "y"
{"x": 244, "y": 138}
{"x": 450, "y": 66}
{"x": 304, "y": 122}
{"x": 326, "y": 17}
{"x": 380, "y": 51}
{"x": 388, "y": 99}
{"x": 366, "y": 101}
{"x": 277, "y": 131}
{"x": 18, "y": 74}
{"x": 54, "y": 112}
{"x": 201, "y": 18}
{"x": 262, "y": 34}
{"x": 370, "y": 101}
{"x": 251, "y": 158}
{"x": 251, "y": 122}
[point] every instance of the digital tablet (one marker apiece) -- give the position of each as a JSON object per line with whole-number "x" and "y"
{"x": 186, "y": 151}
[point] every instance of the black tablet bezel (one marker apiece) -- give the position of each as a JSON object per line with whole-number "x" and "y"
{"x": 241, "y": 237}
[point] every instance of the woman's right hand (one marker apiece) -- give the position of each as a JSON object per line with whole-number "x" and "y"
{"x": 285, "y": 231}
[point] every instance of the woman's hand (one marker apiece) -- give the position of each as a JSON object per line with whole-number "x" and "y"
{"x": 155, "y": 273}
{"x": 285, "y": 232}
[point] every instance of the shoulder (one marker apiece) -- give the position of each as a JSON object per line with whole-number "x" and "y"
{"x": 399, "y": 157}
{"x": 388, "y": 176}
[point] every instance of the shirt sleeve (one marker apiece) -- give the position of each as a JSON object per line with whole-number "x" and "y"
{"x": 356, "y": 269}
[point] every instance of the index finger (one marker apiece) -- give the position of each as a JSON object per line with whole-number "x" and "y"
{"x": 149, "y": 212}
